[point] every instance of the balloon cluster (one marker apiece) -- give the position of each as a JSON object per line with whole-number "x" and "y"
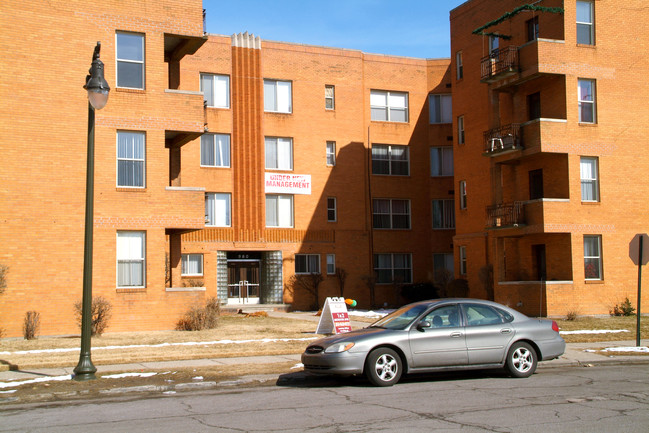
{"x": 350, "y": 302}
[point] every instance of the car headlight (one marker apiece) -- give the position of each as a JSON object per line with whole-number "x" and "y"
{"x": 339, "y": 347}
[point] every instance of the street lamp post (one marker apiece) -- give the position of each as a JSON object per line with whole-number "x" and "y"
{"x": 98, "y": 89}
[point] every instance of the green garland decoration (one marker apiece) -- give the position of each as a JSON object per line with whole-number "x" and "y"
{"x": 508, "y": 15}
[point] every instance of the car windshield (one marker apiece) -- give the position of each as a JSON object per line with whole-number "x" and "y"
{"x": 400, "y": 318}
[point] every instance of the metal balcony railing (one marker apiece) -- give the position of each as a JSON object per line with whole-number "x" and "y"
{"x": 507, "y": 137}
{"x": 505, "y": 214}
{"x": 499, "y": 63}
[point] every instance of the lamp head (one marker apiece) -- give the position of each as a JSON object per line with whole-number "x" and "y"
{"x": 96, "y": 85}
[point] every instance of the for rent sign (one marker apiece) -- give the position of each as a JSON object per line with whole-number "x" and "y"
{"x": 280, "y": 183}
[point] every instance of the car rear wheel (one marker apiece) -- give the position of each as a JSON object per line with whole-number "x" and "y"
{"x": 521, "y": 360}
{"x": 383, "y": 367}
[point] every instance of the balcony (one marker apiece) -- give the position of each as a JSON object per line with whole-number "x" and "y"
{"x": 505, "y": 215}
{"x": 499, "y": 64}
{"x": 503, "y": 139}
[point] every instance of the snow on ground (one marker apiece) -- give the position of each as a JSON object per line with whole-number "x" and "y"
{"x": 639, "y": 349}
{"x": 369, "y": 313}
{"x": 593, "y": 331}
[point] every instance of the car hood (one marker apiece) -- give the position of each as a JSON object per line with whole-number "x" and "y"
{"x": 349, "y": 336}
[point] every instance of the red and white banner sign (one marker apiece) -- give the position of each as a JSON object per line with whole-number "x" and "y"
{"x": 334, "y": 318}
{"x": 280, "y": 183}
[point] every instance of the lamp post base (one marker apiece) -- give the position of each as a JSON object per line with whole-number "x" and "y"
{"x": 85, "y": 370}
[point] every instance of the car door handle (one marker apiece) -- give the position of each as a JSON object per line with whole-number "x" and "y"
{"x": 506, "y": 331}
{"x": 456, "y": 334}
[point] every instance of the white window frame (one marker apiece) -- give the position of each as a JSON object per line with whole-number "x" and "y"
{"x": 378, "y": 214}
{"x": 330, "y": 97}
{"x": 463, "y": 194}
{"x": 390, "y": 257}
{"x": 584, "y": 101}
{"x": 460, "y": 130}
{"x": 463, "y": 260}
{"x": 278, "y": 96}
{"x": 331, "y": 153}
{"x": 218, "y": 147}
{"x": 392, "y": 161}
{"x": 589, "y": 174}
{"x": 441, "y": 161}
{"x": 332, "y": 209}
{"x": 195, "y": 260}
{"x": 386, "y": 102}
{"x": 331, "y": 264}
{"x": 589, "y": 24}
{"x": 279, "y": 153}
{"x": 310, "y": 261}
{"x": 593, "y": 257}
{"x": 131, "y": 160}
{"x": 125, "y": 60}
{"x": 459, "y": 66}
{"x": 280, "y": 205}
{"x": 214, "y": 216}
{"x": 440, "y": 108}
{"x": 212, "y": 96}
{"x": 128, "y": 253}
{"x": 446, "y": 217}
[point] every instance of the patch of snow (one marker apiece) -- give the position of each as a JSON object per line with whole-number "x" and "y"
{"x": 15, "y": 383}
{"x": 121, "y": 375}
{"x": 298, "y": 365}
{"x": 197, "y": 378}
{"x": 369, "y": 313}
{"x": 593, "y": 331}
{"x": 636, "y": 349}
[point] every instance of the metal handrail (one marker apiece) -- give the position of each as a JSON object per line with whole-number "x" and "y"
{"x": 505, "y": 214}
{"x": 499, "y": 61}
{"x": 507, "y": 137}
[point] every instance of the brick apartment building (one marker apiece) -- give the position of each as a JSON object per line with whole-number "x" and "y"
{"x": 225, "y": 165}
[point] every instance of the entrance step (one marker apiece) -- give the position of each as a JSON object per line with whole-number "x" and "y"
{"x": 251, "y": 308}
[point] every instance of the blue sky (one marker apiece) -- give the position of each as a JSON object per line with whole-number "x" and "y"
{"x": 415, "y": 28}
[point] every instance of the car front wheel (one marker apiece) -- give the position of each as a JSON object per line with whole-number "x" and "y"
{"x": 383, "y": 367}
{"x": 521, "y": 360}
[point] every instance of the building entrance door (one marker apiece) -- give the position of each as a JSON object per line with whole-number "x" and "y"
{"x": 243, "y": 281}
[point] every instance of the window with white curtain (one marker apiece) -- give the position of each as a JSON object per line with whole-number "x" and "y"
{"x": 279, "y": 210}
{"x": 277, "y": 96}
{"x": 390, "y": 160}
{"x": 279, "y": 153}
{"x": 441, "y": 161}
{"x": 131, "y": 259}
{"x": 390, "y": 268}
{"x": 331, "y": 153}
{"x": 389, "y": 106}
{"x": 215, "y": 150}
{"x": 593, "y": 257}
{"x": 443, "y": 214}
{"x": 331, "y": 264}
{"x": 192, "y": 265}
{"x": 589, "y": 179}
{"x": 443, "y": 261}
{"x": 440, "y": 108}
{"x": 130, "y": 159}
{"x": 585, "y": 22}
{"x": 391, "y": 213}
{"x": 586, "y": 97}
{"x": 129, "y": 49}
{"x": 216, "y": 90}
{"x": 307, "y": 263}
{"x": 329, "y": 97}
{"x": 218, "y": 209}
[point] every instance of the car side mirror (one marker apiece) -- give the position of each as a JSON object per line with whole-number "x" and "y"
{"x": 423, "y": 324}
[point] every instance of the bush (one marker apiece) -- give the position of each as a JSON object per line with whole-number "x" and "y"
{"x": 31, "y": 325}
{"x": 4, "y": 270}
{"x": 101, "y": 312}
{"x": 200, "y": 317}
{"x": 623, "y": 309}
{"x": 572, "y": 315}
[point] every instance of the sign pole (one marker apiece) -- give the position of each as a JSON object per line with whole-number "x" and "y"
{"x": 637, "y": 337}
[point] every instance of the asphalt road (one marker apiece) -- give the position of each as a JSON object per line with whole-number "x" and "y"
{"x": 570, "y": 399}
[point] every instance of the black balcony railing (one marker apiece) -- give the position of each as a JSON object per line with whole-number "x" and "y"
{"x": 499, "y": 63}
{"x": 507, "y": 137}
{"x": 505, "y": 214}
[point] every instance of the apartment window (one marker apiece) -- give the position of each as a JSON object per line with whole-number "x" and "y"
{"x": 216, "y": 90}
{"x": 130, "y": 159}
{"x": 589, "y": 179}
{"x": 390, "y": 160}
{"x": 192, "y": 265}
{"x": 587, "y": 101}
{"x": 329, "y": 97}
{"x": 460, "y": 129}
{"x": 390, "y": 268}
{"x": 463, "y": 194}
{"x": 443, "y": 262}
{"x": 331, "y": 209}
{"x": 307, "y": 263}
{"x": 130, "y": 60}
{"x": 279, "y": 153}
{"x": 279, "y": 210}
{"x": 459, "y": 67}
{"x": 586, "y": 22}
{"x": 440, "y": 108}
{"x": 494, "y": 44}
{"x": 218, "y": 209}
{"x": 331, "y": 153}
{"x": 277, "y": 96}
{"x": 131, "y": 259}
{"x": 441, "y": 161}
{"x": 593, "y": 257}
{"x": 388, "y": 106}
{"x": 443, "y": 214}
{"x": 331, "y": 264}
{"x": 532, "y": 29}
{"x": 215, "y": 150}
{"x": 462, "y": 260}
{"x": 391, "y": 213}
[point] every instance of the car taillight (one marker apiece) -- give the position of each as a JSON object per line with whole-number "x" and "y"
{"x": 555, "y": 327}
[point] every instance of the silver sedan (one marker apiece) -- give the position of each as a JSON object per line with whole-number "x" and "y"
{"x": 436, "y": 335}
